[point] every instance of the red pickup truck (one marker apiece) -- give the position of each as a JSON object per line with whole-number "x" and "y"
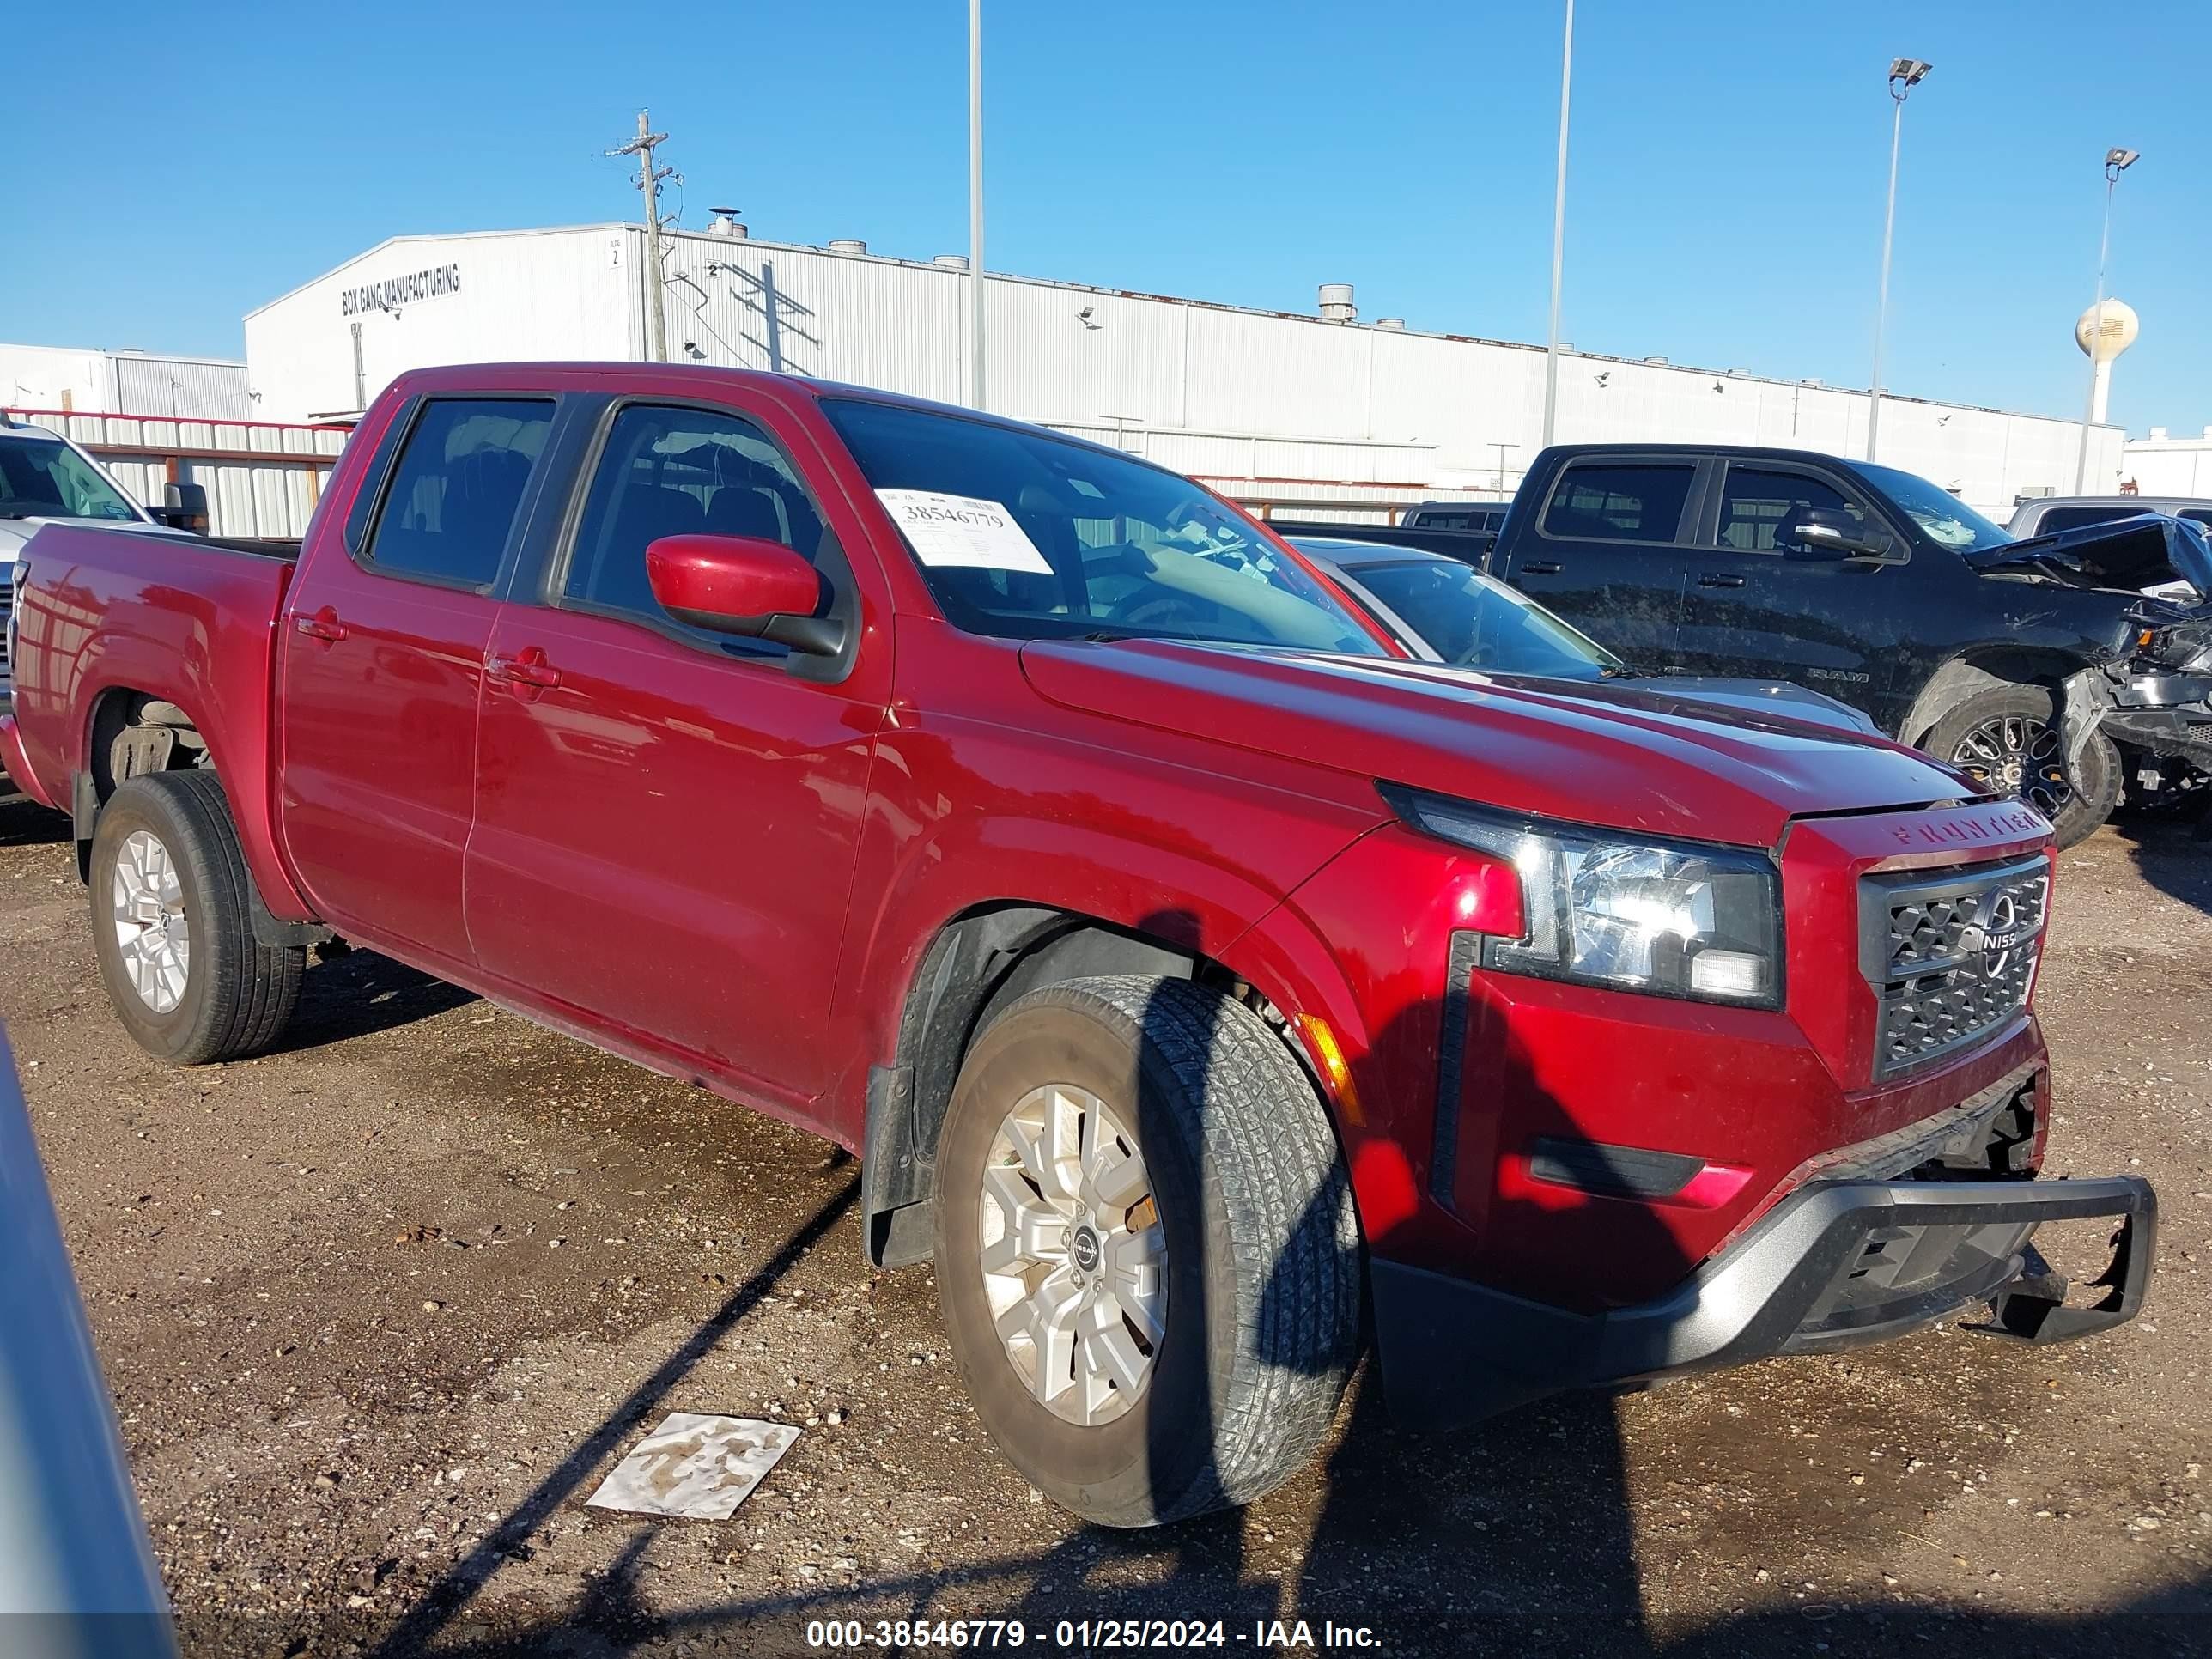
{"x": 1202, "y": 984}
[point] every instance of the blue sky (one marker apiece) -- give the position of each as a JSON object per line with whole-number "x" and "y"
{"x": 1724, "y": 202}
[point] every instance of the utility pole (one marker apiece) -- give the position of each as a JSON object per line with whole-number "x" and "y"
{"x": 1559, "y": 235}
{"x": 975, "y": 203}
{"x": 648, "y": 181}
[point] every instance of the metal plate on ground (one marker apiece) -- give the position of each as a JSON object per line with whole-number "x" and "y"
{"x": 694, "y": 1467}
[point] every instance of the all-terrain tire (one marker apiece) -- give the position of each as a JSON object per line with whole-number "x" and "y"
{"x": 2093, "y": 785}
{"x": 237, "y": 992}
{"x": 1263, "y": 1269}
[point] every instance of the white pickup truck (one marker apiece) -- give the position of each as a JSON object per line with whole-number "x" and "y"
{"x": 45, "y": 479}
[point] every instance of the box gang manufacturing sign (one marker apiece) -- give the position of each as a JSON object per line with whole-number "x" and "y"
{"x": 394, "y": 292}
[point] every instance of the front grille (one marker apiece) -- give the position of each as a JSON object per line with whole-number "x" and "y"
{"x": 1950, "y": 954}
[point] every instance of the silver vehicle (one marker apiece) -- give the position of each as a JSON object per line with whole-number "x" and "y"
{"x": 1443, "y": 611}
{"x": 76, "y": 1575}
{"x": 45, "y": 479}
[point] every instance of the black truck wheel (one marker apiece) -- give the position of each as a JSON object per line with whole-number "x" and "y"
{"x": 2008, "y": 738}
{"x": 1147, "y": 1258}
{"x": 172, "y": 924}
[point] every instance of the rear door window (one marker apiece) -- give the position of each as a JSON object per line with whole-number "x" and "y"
{"x": 2073, "y": 518}
{"x": 1619, "y": 501}
{"x": 456, "y": 488}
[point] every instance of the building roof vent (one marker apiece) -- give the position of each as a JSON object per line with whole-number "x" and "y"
{"x": 1336, "y": 302}
{"x": 1396, "y": 324}
{"x": 1657, "y": 362}
{"x": 723, "y": 222}
{"x": 846, "y": 244}
{"x": 951, "y": 261}
{"x": 1814, "y": 382}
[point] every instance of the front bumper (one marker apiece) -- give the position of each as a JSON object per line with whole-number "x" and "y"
{"x": 2163, "y": 712}
{"x": 1835, "y": 1264}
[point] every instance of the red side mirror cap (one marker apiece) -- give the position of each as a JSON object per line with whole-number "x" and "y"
{"x": 731, "y": 584}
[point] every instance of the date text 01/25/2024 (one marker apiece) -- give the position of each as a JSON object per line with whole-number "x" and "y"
{"x": 1087, "y": 1635}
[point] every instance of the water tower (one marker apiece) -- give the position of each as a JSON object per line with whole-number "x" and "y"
{"x": 2103, "y": 331}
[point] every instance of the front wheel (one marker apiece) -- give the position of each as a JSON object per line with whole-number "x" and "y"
{"x": 1147, "y": 1253}
{"x": 2008, "y": 740}
{"x": 172, "y": 924}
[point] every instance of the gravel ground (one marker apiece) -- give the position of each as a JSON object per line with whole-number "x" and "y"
{"x": 380, "y": 1310}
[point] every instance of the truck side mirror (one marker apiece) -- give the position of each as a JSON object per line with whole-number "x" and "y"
{"x": 1823, "y": 533}
{"x": 747, "y": 585}
{"x": 184, "y": 507}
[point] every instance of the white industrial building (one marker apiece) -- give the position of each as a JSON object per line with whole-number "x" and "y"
{"x": 1320, "y": 414}
{"x": 92, "y": 380}
{"x": 2162, "y": 465}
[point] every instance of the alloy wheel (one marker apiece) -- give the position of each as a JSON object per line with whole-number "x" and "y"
{"x": 151, "y": 929}
{"x": 2020, "y": 756}
{"x": 1074, "y": 1257}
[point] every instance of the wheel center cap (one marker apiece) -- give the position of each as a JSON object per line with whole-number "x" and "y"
{"x": 1085, "y": 1248}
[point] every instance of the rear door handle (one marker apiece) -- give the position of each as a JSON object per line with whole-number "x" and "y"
{"x": 528, "y": 670}
{"x": 324, "y": 625}
{"x": 1711, "y": 579}
{"x": 1539, "y": 567}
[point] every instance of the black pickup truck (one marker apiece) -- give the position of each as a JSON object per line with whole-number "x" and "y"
{"x": 2037, "y": 667}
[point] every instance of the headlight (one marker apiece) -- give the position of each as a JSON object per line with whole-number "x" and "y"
{"x": 1669, "y": 918}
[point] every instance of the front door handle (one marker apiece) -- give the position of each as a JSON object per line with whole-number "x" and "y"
{"x": 324, "y": 625}
{"x": 1539, "y": 567}
{"x": 1712, "y": 578}
{"x": 526, "y": 671}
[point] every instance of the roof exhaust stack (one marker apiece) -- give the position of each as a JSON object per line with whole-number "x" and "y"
{"x": 950, "y": 262}
{"x": 1396, "y": 324}
{"x": 723, "y": 222}
{"x": 848, "y": 244}
{"x": 1336, "y": 304}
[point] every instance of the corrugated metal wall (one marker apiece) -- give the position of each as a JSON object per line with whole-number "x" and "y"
{"x": 250, "y": 491}
{"x": 1267, "y": 407}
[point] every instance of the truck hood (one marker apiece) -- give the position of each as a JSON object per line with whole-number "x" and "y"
{"x": 2131, "y": 555}
{"x": 1619, "y": 757}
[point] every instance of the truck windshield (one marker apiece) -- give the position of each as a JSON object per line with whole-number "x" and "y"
{"x": 1477, "y": 622}
{"x": 45, "y": 479}
{"x": 1947, "y": 519}
{"x": 1027, "y": 535}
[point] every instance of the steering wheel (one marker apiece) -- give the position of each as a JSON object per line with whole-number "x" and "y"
{"x": 1149, "y": 607}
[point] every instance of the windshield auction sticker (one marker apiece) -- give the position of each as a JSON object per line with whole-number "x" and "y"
{"x": 961, "y": 529}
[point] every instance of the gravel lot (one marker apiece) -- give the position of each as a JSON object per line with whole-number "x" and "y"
{"x": 380, "y": 1310}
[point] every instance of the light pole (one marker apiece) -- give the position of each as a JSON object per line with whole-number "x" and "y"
{"x": 975, "y": 203}
{"x": 1904, "y": 74}
{"x": 2117, "y": 161}
{"x": 1559, "y": 234}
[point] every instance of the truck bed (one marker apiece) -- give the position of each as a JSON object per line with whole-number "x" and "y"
{"x": 177, "y": 616}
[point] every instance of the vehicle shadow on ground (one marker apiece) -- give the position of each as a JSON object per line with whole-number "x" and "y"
{"x": 24, "y": 823}
{"x": 2172, "y": 856}
{"x": 356, "y": 993}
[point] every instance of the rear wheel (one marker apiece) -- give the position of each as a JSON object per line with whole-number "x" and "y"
{"x": 1146, "y": 1252}
{"x": 172, "y": 924}
{"x": 2008, "y": 738}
